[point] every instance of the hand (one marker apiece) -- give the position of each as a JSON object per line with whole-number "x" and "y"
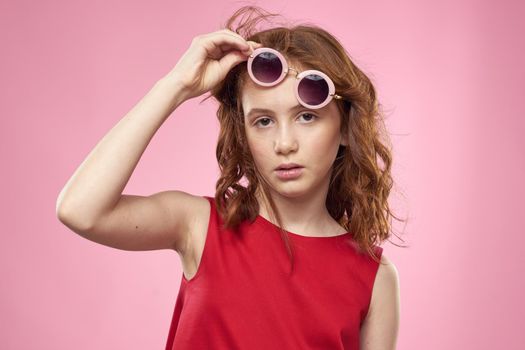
{"x": 208, "y": 59}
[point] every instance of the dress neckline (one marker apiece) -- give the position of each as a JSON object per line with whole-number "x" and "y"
{"x": 261, "y": 219}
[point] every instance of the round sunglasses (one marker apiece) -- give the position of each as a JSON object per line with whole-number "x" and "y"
{"x": 313, "y": 88}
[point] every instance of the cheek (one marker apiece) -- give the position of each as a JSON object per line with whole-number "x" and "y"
{"x": 259, "y": 150}
{"x": 323, "y": 149}
{"x": 326, "y": 140}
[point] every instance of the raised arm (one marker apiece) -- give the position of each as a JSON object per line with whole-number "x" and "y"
{"x": 92, "y": 204}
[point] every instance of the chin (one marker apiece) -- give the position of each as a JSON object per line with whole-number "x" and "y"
{"x": 291, "y": 190}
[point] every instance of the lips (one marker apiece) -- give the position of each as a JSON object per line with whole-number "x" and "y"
{"x": 287, "y": 166}
{"x": 289, "y": 173}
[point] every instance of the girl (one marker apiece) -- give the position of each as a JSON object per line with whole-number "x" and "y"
{"x": 283, "y": 255}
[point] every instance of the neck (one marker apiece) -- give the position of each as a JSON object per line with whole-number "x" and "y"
{"x": 307, "y": 214}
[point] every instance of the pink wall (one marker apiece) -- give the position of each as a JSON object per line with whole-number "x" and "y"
{"x": 450, "y": 73}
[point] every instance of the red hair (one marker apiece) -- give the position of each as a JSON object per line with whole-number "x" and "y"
{"x": 359, "y": 185}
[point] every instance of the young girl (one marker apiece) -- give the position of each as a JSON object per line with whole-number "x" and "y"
{"x": 283, "y": 255}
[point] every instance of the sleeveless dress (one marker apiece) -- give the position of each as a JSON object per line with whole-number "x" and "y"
{"x": 243, "y": 295}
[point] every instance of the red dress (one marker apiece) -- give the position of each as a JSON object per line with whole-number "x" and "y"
{"x": 243, "y": 295}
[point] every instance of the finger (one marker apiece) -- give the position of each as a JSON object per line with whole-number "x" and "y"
{"x": 253, "y": 45}
{"x": 217, "y": 39}
{"x": 232, "y": 33}
{"x": 227, "y": 47}
{"x": 230, "y": 60}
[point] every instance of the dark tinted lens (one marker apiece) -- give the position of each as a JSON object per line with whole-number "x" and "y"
{"x": 267, "y": 67}
{"x": 313, "y": 89}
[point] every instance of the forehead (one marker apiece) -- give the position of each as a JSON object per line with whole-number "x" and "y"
{"x": 256, "y": 96}
{"x": 280, "y": 98}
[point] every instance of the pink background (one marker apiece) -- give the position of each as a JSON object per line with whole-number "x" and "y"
{"x": 449, "y": 73}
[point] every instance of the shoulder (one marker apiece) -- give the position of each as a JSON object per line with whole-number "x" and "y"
{"x": 382, "y": 321}
{"x": 190, "y": 211}
{"x": 187, "y": 205}
{"x": 198, "y": 210}
{"x": 387, "y": 274}
{"x": 386, "y": 285}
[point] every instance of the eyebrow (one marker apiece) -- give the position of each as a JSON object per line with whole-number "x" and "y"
{"x": 253, "y": 111}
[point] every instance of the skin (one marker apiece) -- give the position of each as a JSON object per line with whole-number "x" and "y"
{"x": 281, "y": 135}
{"x": 309, "y": 137}
{"x": 381, "y": 326}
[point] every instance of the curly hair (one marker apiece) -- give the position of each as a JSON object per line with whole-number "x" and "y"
{"x": 359, "y": 185}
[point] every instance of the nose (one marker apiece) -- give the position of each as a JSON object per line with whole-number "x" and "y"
{"x": 285, "y": 141}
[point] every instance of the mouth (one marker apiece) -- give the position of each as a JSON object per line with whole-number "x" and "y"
{"x": 289, "y": 173}
{"x": 291, "y": 168}
{"x": 288, "y": 166}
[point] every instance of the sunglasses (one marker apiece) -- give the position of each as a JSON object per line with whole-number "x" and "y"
{"x": 313, "y": 89}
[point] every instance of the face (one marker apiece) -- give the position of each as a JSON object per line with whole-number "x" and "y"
{"x": 280, "y": 130}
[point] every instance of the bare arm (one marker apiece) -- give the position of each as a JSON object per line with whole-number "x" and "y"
{"x": 95, "y": 188}
{"x": 91, "y": 203}
{"x": 380, "y": 329}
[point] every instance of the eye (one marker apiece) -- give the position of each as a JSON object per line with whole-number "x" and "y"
{"x": 264, "y": 121}
{"x": 259, "y": 120}
{"x": 310, "y": 116}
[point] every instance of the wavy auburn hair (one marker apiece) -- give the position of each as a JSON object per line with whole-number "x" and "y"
{"x": 359, "y": 186}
